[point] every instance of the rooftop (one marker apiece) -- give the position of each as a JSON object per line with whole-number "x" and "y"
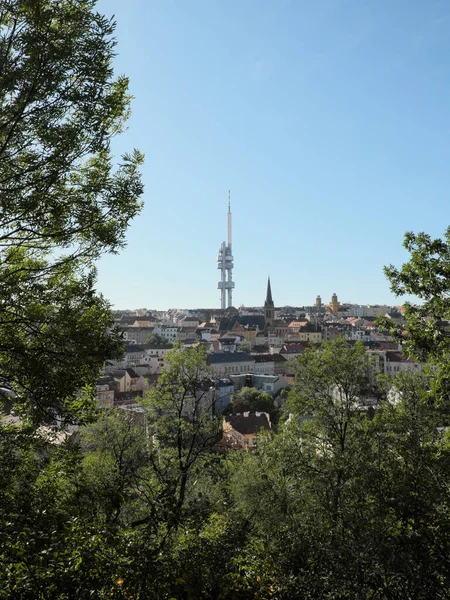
{"x": 229, "y": 357}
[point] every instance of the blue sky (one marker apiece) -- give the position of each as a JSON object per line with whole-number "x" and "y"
{"x": 328, "y": 120}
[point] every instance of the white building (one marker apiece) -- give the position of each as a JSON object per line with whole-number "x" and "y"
{"x": 228, "y": 363}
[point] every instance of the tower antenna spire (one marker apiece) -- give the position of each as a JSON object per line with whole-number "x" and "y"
{"x": 225, "y": 264}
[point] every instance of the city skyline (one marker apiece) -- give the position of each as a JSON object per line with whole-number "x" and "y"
{"x": 328, "y": 122}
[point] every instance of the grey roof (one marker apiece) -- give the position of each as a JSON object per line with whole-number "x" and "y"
{"x": 229, "y": 357}
{"x": 128, "y": 319}
{"x": 156, "y": 346}
{"x": 130, "y": 329}
{"x": 129, "y": 347}
{"x": 264, "y": 358}
{"x": 223, "y": 383}
{"x": 131, "y": 372}
{"x": 105, "y": 380}
{"x": 249, "y": 320}
{"x": 228, "y": 341}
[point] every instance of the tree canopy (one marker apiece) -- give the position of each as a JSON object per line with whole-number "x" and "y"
{"x": 145, "y": 503}
{"x": 63, "y": 201}
{"x": 251, "y": 399}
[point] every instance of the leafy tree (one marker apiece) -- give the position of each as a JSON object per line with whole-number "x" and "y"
{"x": 245, "y": 347}
{"x": 62, "y": 201}
{"x": 115, "y": 454}
{"x": 156, "y": 339}
{"x": 425, "y": 334}
{"x": 182, "y": 421}
{"x": 52, "y": 545}
{"x": 251, "y": 399}
{"x": 408, "y": 482}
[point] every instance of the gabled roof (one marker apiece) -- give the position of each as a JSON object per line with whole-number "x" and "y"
{"x": 132, "y": 373}
{"x": 119, "y": 373}
{"x": 134, "y": 348}
{"x": 128, "y": 320}
{"x": 294, "y": 348}
{"x": 227, "y": 324}
{"x": 309, "y": 328}
{"x": 105, "y": 380}
{"x": 397, "y": 357}
{"x": 227, "y": 341}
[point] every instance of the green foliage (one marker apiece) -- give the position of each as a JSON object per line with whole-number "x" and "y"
{"x": 156, "y": 339}
{"x": 115, "y": 452}
{"x": 251, "y": 399}
{"x": 182, "y": 422}
{"x": 60, "y": 107}
{"x": 330, "y": 380}
{"x": 62, "y": 201}
{"x": 425, "y": 335}
{"x": 336, "y": 505}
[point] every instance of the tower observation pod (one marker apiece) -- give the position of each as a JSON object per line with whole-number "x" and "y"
{"x": 225, "y": 264}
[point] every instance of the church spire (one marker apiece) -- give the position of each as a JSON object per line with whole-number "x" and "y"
{"x": 269, "y": 309}
{"x": 269, "y": 300}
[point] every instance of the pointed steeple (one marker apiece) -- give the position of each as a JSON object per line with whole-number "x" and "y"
{"x": 269, "y": 309}
{"x": 269, "y": 301}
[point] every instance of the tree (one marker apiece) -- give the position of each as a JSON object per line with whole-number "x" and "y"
{"x": 62, "y": 201}
{"x": 425, "y": 334}
{"x": 182, "y": 421}
{"x": 251, "y": 399}
{"x": 156, "y": 339}
{"x": 326, "y": 405}
{"x": 245, "y": 347}
{"x": 114, "y": 456}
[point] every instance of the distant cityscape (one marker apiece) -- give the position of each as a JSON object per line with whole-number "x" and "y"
{"x": 249, "y": 346}
{"x": 246, "y": 346}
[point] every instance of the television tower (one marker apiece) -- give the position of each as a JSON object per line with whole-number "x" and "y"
{"x": 225, "y": 264}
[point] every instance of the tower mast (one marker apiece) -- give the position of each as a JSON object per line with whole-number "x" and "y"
{"x": 225, "y": 264}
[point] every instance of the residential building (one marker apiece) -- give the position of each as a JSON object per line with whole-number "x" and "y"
{"x": 270, "y": 364}
{"x": 168, "y": 332}
{"x": 240, "y": 431}
{"x": 137, "y": 335}
{"x": 291, "y": 350}
{"x": 227, "y": 363}
{"x": 105, "y": 389}
{"x": 309, "y": 333}
{"x": 396, "y": 362}
{"x": 189, "y": 322}
{"x": 272, "y": 384}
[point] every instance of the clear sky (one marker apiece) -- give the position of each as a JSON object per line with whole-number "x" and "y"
{"x": 329, "y": 120}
